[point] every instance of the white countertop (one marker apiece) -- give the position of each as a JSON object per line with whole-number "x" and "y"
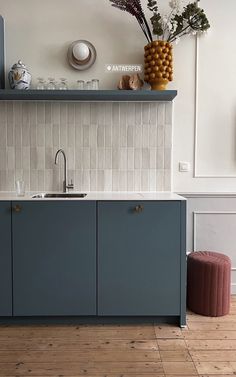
{"x": 164, "y": 195}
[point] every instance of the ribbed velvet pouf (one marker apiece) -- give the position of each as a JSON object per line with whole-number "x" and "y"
{"x": 208, "y": 285}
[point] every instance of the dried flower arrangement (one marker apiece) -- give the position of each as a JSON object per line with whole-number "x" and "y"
{"x": 191, "y": 20}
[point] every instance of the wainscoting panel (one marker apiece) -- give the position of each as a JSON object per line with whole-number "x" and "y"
{"x": 212, "y": 225}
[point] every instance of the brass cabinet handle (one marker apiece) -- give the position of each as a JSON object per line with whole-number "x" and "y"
{"x": 17, "y": 208}
{"x": 138, "y": 209}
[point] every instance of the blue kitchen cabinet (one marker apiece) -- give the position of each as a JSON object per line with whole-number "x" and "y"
{"x": 54, "y": 258}
{"x": 141, "y": 259}
{"x": 5, "y": 260}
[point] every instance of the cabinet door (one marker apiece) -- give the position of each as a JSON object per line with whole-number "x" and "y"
{"x": 54, "y": 258}
{"x": 139, "y": 258}
{"x": 5, "y": 260}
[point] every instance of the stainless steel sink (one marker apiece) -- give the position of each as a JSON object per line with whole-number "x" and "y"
{"x": 59, "y": 195}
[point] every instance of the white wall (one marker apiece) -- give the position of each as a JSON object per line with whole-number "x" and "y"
{"x": 40, "y": 32}
{"x": 205, "y": 116}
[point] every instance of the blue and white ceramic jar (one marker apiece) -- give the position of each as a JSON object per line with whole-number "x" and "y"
{"x": 19, "y": 77}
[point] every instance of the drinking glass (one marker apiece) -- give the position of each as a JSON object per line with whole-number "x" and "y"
{"x": 89, "y": 85}
{"x": 80, "y": 84}
{"x": 20, "y": 187}
{"x": 52, "y": 84}
{"x": 41, "y": 84}
{"x": 95, "y": 84}
{"x": 63, "y": 84}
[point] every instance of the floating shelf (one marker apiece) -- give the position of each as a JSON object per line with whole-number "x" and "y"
{"x": 88, "y": 95}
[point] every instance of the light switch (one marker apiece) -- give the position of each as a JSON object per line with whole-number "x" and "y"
{"x": 184, "y": 167}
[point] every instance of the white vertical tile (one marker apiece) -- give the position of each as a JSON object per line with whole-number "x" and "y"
{"x": 100, "y": 180}
{"x": 153, "y": 158}
{"x": 138, "y": 130}
{"x": 40, "y": 151}
{"x": 18, "y": 158}
{"x": 115, "y": 180}
{"x": 70, "y": 113}
{"x": 123, "y": 159}
{"x": 86, "y": 158}
{"x": 26, "y": 158}
{"x": 40, "y": 135}
{"x": 137, "y": 180}
{"x": 130, "y": 136}
{"x": 33, "y": 158}
{"x": 93, "y": 113}
{"x": 161, "y": 114}
{"x": 160, "y": 158}
{"x": 152, "y": 183}
{"x": 41, "y": 182}
{"x": 137, "y": 158}
{"x": 25, "y": 113}
{"x": 78, "y": 158}
{"x": 168, "y": 135}
{"x": 18, "y": 135}
{"x": 93, "y": 180}
{"x": 130, "y": 180}
{"x": 108, "y": 158}
{"x": 33, "y": 139}
{"x": 115, "y": 158}
{"x": 3, "y": 158}
{"x": 153, "y": 113}
{"x": 56, "y": 113}
{"x": 78, "y": 136}
{"x": 48, "y": 112}
{"x": 25, "y": 135}
{"x": 145, "y": 180}
{"x": 138, "y": 114}
{"x": 63, "y": 113}
{"x": 100, "y": 158}
{"x": 56, "y": 135}
{"x": 34, "y": 180}
{"x": 168, "y": 113}
{"x": 108, "y": 180}
{"x": 93, "y": 158}
{"x": 123, "y": 180}
{"x": 49, "y": 179}
{"x": 145, "y": 158}
{"x": 167, "y": 180}
{"x": 78, "y": 180}
{"x": 101, "y": 136}
{"x": 130, "y": 158}
{"x": 160, "y": 136}
{"x": 160, "y": 180}
{"x": 130, "y": 114}
{"x": 3, "y": 135}
{"x": 152, "y": 135}
{"x": 10, "y": 135}
{"x": 86, "y": 132}
{"x": 93, "y": 131}
{"x": 10, "y": 158}
{"x": 71, "y": 135}
{"x": 167, "y": 158}
{"x": 49, "y": 158}
{"x": 145, "y": 113}
{"x": 41, "y": 113}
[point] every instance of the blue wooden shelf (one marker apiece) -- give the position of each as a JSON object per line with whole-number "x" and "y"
{"x": 88, "y": 95}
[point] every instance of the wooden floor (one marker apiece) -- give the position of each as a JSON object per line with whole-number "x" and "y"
{"x": 207, "y": 347}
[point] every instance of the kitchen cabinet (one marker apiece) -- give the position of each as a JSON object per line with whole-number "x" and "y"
{"x": 5, "y": 260}
{"x": 54, "y": 258}
{"x": 141, "y": 259}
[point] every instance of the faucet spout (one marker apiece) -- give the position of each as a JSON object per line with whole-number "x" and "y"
{"x": 65, "y": 170}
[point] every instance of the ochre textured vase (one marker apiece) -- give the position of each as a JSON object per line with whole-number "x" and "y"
{"x": 158, "y": 68}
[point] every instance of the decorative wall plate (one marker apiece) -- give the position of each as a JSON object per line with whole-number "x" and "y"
{"x": 81, "y": 55}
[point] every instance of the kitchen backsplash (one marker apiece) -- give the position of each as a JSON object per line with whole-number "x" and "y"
{"x": 109, "y": 146}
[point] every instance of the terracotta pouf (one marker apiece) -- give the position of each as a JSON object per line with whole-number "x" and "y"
{"x": 208, "y": 286}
